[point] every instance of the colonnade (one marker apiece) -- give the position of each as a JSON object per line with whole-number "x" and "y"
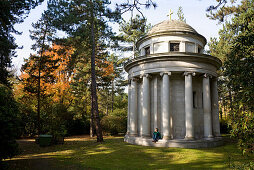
{"x": 210, "y": 106}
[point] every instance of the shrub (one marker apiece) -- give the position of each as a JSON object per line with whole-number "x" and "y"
{"x": 224, "y": 126}
{"x": 78, "y": 127}
{"x": 242, "y": 123}
{"x": 9, "y": 123}
{"x": 115, "y": 123}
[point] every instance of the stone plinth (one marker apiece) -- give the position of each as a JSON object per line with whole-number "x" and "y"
{"x": 176, "y": 143}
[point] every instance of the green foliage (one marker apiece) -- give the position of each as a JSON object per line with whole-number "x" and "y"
{"x": 77, "y": 127}
{"x": 224, "y": 126}
{"x": 114, "y": 124}
{"x": 133, "y": 30}
{"x": 236, "y": 48}
{"x": 116, "y": 121}
{"x": 28, "y": 119}
{"x": 86, "y": 22}
{"x": 11, "y": 12}
{"x": 9, "y": 123}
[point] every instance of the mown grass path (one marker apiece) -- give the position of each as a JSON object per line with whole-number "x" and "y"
{"x": 84, "y": 153}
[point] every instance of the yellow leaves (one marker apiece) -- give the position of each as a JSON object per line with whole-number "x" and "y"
{"x": 109, "y": 69}
{"x": 56, "y": 82}
{"x": 106, "y": 68}
{"x": 24, "y": 75}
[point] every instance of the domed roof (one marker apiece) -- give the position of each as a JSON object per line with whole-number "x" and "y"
{"x": 172, "y": 26}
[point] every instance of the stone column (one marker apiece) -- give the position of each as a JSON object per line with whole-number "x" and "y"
{"x": 128, "y": 115}
{"x": 133, "y": 108}
{"x": 207, "y": 107}
{"x": 215, "y": 108}
{"x": 165, "y": 97}
{"x": 189, "y": 135}
{"x": 155, "y": 102}
{"x": 146, "y": 107}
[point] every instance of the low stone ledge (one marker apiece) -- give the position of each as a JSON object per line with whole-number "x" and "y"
{"x": 176, "y": 143}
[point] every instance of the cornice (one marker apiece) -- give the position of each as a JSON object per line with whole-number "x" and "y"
{"x": 173, "y": 56}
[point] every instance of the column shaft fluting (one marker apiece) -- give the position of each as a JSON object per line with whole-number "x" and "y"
{"x": 128, "y": 115}
{"x": 155, "y": 103}
{"x": 207, "y": 107}
{"x": 215, "y": 108}
{"x": 133, "y": 108}
{"x": 146, "y": 107}
{"x": 189, "y": 107}
{"x": 165, "y": 106}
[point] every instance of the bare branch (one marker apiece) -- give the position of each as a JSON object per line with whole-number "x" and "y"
{"x": 210, "y": 8}
{"x": 136, "y": 5}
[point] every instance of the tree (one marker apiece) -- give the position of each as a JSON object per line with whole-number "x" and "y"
{"x": 11, "y": 12}
{"x": 236, "y": 39}
{"x": 180, "y": 14}
{"x": 9, "y": 123}
{"x": 87, "y": 19}
{"x": 55, "y": 93}
{"x": 43, "y": 35}
{"x": 133, "y": 30}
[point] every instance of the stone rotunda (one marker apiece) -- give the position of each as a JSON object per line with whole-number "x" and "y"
{"x": 173, "y": 87}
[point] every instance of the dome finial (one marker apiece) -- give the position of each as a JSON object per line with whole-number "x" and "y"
{"x": 169, "y": 14}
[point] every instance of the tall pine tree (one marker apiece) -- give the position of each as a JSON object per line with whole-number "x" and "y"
{"x": 42, "y": 35}
{"x": 87, "y": 23}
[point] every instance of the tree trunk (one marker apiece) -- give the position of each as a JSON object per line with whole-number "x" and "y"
{"x": 39, "y": 85}
{"x": 92, "y": 125}
{"x": 95, "y": 109}
{"x": 38, "y": 100}
{"x": 230, "y": 100}
{"x": 112, "y": 102}
{"x": 107, "y": 102}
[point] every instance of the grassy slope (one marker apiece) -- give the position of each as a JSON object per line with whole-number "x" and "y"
{"x": 85, "y": 153}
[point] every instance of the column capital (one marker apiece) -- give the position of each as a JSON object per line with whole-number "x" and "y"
{"x": 206, "y": 75}
{"x": 168, "y": 73}
{"x": 145, "y": 75}
{"x": 186, "y": 73}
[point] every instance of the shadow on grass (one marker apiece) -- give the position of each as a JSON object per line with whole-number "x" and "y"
{"x": 116, "y": 154}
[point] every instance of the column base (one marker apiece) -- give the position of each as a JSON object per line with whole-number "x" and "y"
{"x": 217, "y": 135}
{"x": 210, "y": 137}
{"x": 133, "y": 135}
{"x": 180, "y": 143}
{"x": 146, "y": 136}
{"x": 166, "y": 138}
{"x": 189, "y": 138}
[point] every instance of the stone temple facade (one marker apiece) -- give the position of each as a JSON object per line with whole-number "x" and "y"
{"x": 173, "y": 87}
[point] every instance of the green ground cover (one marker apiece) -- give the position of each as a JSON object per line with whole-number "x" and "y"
{"x": 85, "y": 153}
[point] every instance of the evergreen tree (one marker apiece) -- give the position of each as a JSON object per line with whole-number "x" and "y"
{"x": 11, "y": 12}
{"x": 133, "y": 30}
{"x": 9, "y": 123}
{"x": 43, "y": 35}
{"x": 235, "y": 45}
{"x": 86, "y": 23}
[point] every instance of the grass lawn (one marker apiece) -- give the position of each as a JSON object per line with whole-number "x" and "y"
{"x": 84, "y": 153}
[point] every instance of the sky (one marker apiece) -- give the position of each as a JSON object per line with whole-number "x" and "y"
{"x": 194, "y": 12}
